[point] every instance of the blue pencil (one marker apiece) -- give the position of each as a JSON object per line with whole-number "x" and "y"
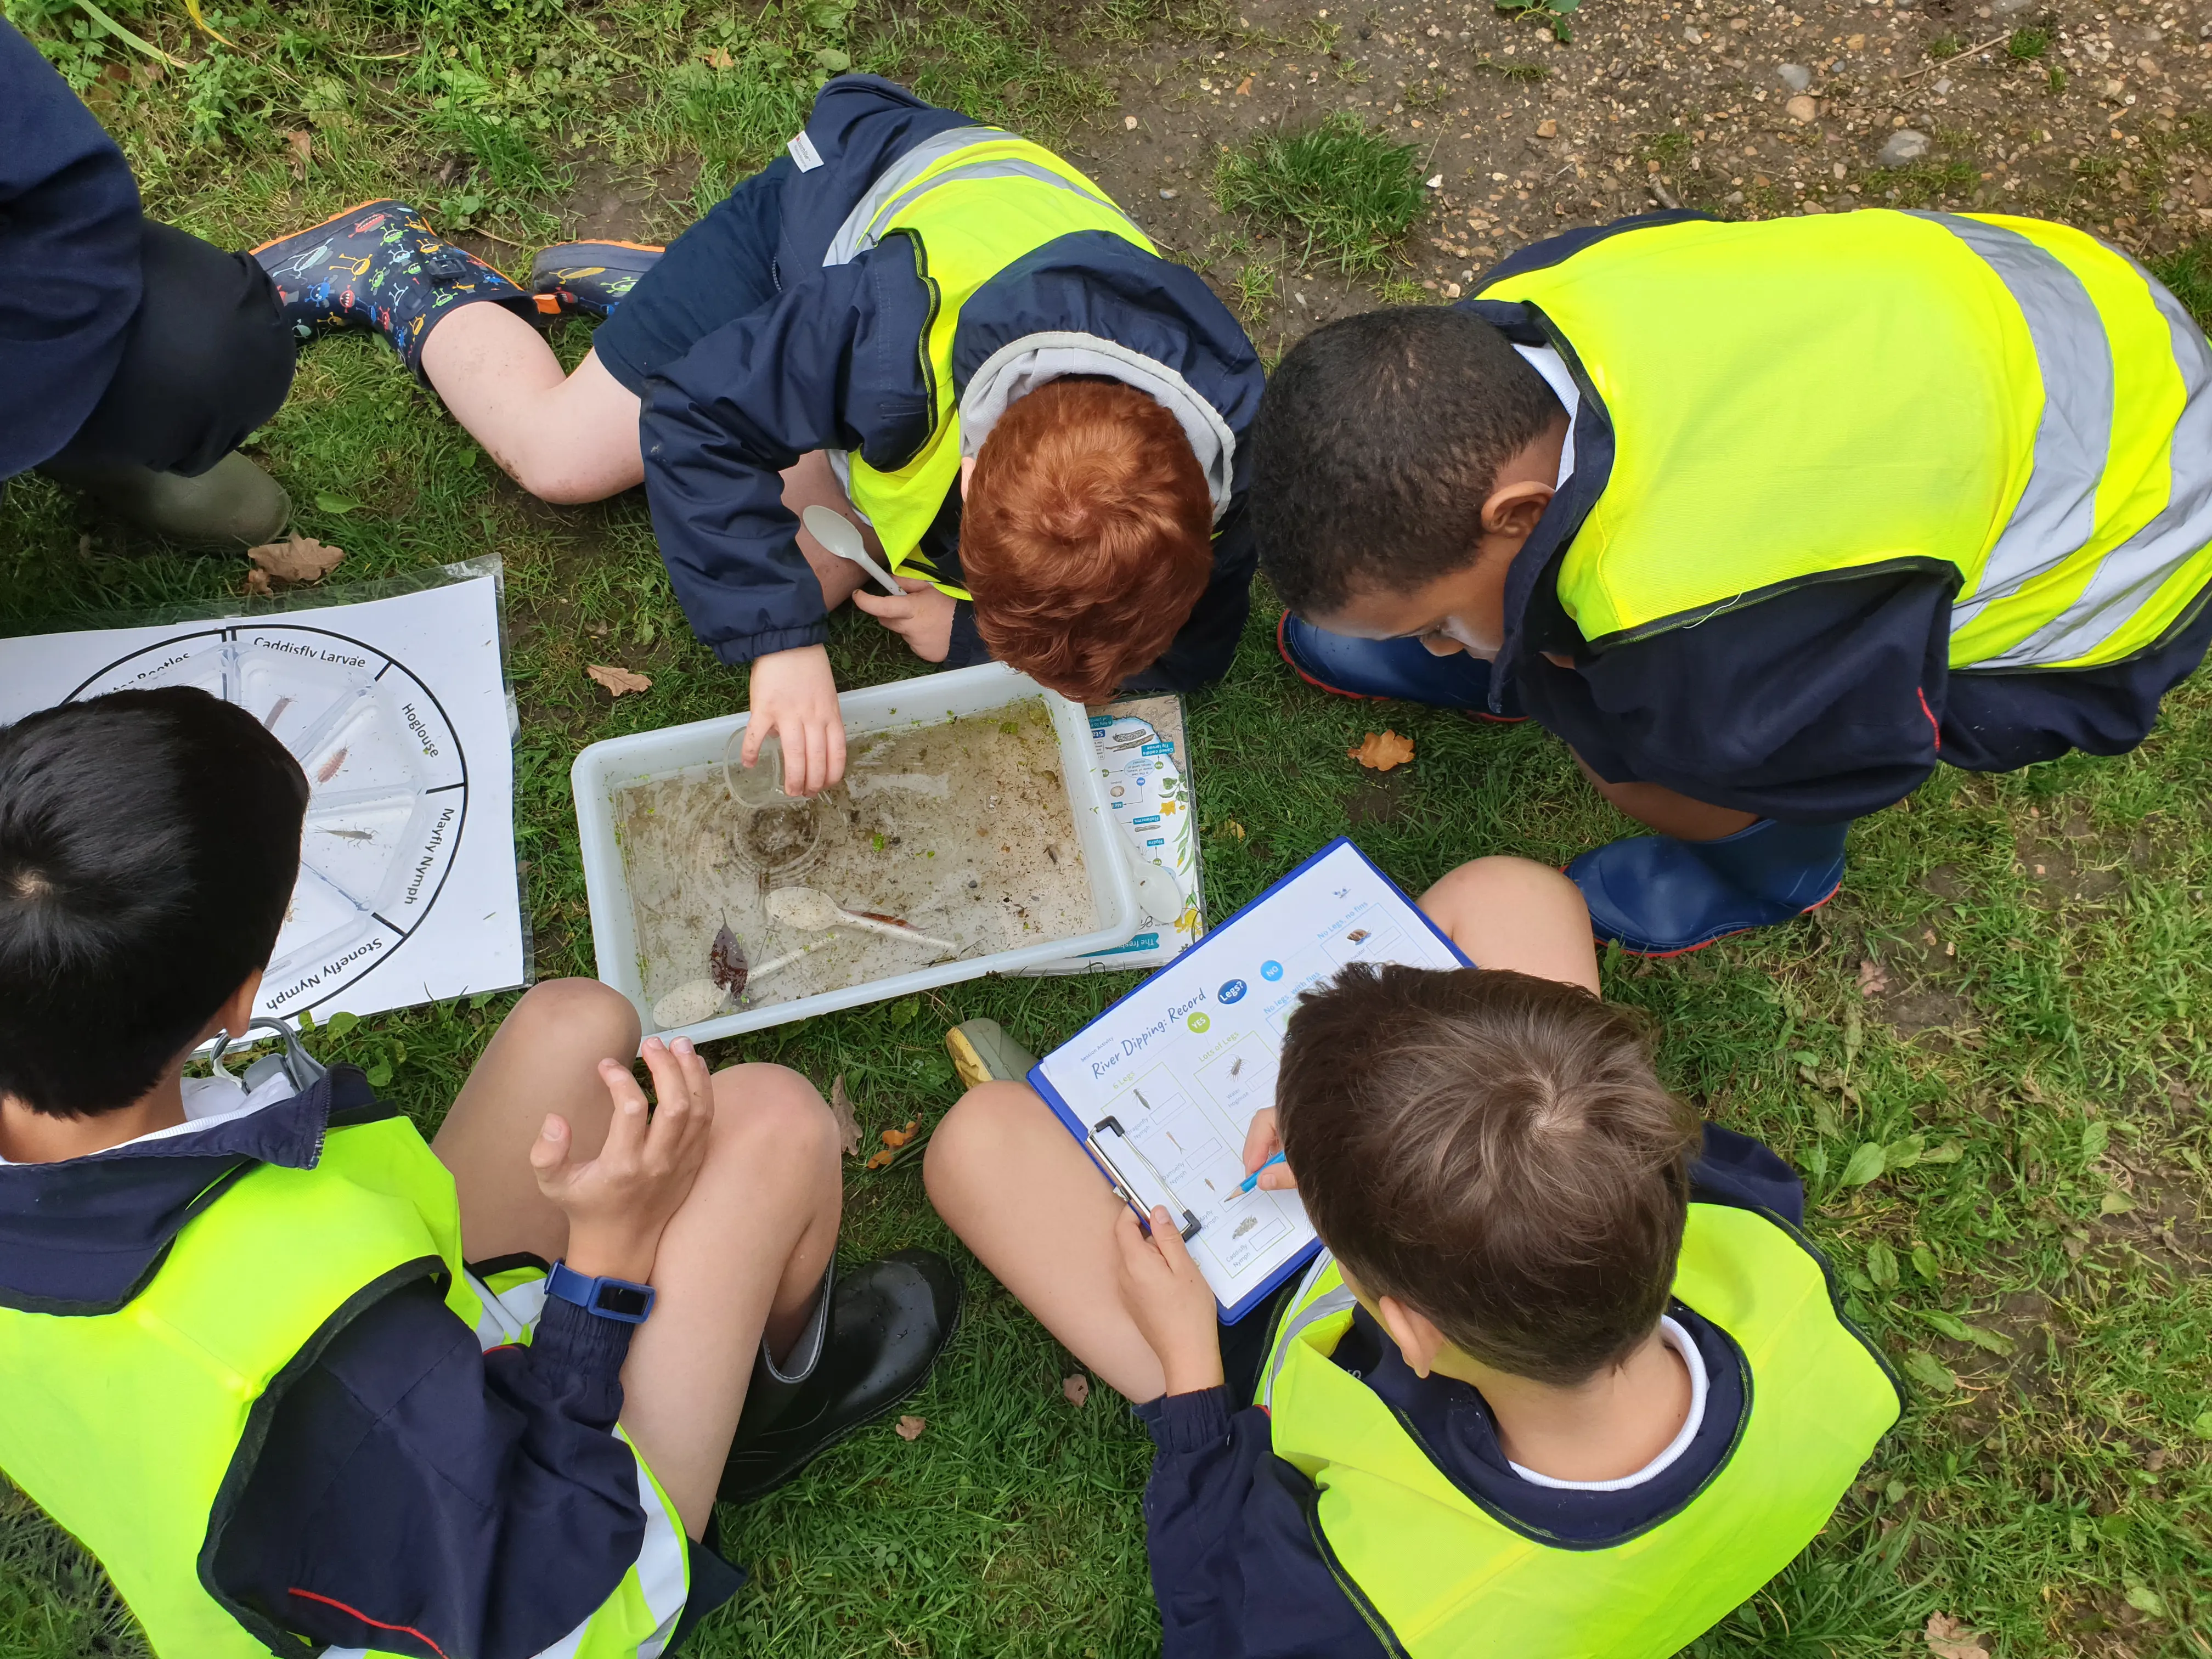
{"x": 1253, "y": 1180}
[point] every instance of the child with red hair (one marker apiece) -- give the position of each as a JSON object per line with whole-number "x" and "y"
{"x": 937, "y": 328}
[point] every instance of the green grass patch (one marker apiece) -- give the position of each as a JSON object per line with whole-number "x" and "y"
{"x": 1946, "y": 45}
{"x": 2026, "y": 46}
{"x": 2188, "y": 274}
{"x": 1348, "y": 191}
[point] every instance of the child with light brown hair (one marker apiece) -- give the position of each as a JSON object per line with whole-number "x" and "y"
{"x": 932, "y": 326}
{"x": 1567, "y": 1379}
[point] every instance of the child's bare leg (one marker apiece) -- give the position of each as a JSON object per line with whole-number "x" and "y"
{"x": 1511, "y": 913}
{"x": 543, "y": 1059}
{"x": 563, "y": 437}
{"x": 1012, "y": 1182}
{"x": 743, "y": 1258}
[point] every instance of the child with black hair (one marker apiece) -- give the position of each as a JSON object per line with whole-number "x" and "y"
{"x": 1567, "y": 1379}
{"x": 299, "y": 1379}
{"x": 1765, "y": 519}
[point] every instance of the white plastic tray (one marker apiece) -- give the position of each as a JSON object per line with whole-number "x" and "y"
{"x": 605, "y": 769}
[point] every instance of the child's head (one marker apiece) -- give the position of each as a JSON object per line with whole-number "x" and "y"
{"x": 149, "y": 842}
{"x": 1394, "y": 452}
{"x": 1087, "y": 535}
{"x": 1494, "y": 1151}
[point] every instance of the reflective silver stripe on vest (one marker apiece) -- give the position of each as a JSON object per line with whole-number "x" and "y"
{"x": 2055, "y": 515}
{"x": 2127, "y": 577}
{"x": 2057, "y": 510}
{"x": 1339, "y": 1300}
{"x": 901, "y": 182}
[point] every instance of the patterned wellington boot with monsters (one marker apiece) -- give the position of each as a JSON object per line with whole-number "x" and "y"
{"x": 590, "y": 279}
{"x": 380, "y": 266}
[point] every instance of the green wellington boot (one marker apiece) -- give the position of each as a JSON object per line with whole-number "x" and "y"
{"x": 234, "y": 504}
{"x": 983, "y": 1053}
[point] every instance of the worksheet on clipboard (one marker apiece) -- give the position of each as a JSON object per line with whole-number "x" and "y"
{"x": 1162, "y": 1086}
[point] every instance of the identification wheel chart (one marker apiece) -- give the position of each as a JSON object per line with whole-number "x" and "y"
{"x": 387, "y": 782}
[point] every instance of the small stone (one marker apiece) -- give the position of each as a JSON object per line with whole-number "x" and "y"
{"x": 1129, "y": 122}
{"x": 1734, "y": 199}
{"x": 2114, "y": 90}
{"x": 1437, "y": 182}
{"x": 1801, "y": 108}
{"x": 1903, "y": 146}
{"x": 1942, "y": 85}
{"x": 1170, "y": 195}
{"x": 1451, "y": 290}
{"x": 1796, "y": 76}
{"x": 1694, "y": 36}
{"x": 1548, "y": 129}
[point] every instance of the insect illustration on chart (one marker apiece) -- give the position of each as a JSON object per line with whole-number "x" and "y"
{"x": 1237, "y": 1065}
{"x": 1357, "y": 934}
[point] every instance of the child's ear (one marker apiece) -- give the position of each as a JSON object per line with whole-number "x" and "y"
{"x": 1415, "y": 1335}
{"x": 237, "y": 1011}
{"x": 1511, "y": 510}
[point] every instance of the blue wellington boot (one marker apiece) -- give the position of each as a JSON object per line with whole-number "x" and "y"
{"x": 1657, "y": 896}
{"x": 1405, "y": 669}
{"x": 590, "y": 279}
{"x": 380, "y": 266}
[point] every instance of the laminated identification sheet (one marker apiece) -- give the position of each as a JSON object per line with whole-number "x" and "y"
{"x": 1161, "y": 1087}
{"x": 396, "y": 708}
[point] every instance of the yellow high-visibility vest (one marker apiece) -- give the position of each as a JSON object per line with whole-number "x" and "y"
{"x": 1438, "y": 1575}
{"x": 1805, "y": 399}
{"x": 135, "y": 1429}
{"x": 972, "y": 200}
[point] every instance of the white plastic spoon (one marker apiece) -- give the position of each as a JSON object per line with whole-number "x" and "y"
{"x": 811, "y": 911}
{"x": 841, "y": 537}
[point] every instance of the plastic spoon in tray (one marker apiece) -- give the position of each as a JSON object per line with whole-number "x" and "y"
{"x": 812, "y": 911}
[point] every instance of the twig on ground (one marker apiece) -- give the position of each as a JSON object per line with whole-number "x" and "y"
{"x": 1994, "y": 40}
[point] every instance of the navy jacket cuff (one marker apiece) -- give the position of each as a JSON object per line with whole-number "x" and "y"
{"x": 590, "y": 1350}
{"x": 738, "y": 652}
{"x": 1183, "y": 1424}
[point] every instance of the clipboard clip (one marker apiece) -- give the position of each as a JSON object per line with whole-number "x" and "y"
{"x": 1127, "y": 1185}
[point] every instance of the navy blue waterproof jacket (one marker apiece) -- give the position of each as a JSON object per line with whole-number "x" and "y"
{"x": 415, "y": 1495}
{"x": 1825, "y": 702}
{"x": 68, "y": 257}
{"x": 1229, "y": 1526}
{"x": 836, "y": 361}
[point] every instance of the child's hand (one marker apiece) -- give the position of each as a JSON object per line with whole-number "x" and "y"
{"x": 1170, "y": 1302}
{"x": 618, "y": 1203}
{"x": 923, "y": 618}
{"x": 1261, "y": 1142}
{"x": 794, "y": 696}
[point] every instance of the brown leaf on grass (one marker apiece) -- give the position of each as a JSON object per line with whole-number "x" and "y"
{"x": 1949, "y": 1638}
{"x": 258, "y": 584}
{"x": 882, "y": 1160}
{"x": 1076, "y": 1388}
{"x": 297, "y": 558}
{"x": 303, "y": 151}
{"x": 726, "y": 963}
{"x": 849, "y": 1126}
{"x": 895, "y": 1138}
{"x": 1244, "y": 87}
{"x": 1872, "y": 981}
{"x": 909, "y": 1428}
{"x": 1383, "y": 750}
{"x": 618, "y": 681}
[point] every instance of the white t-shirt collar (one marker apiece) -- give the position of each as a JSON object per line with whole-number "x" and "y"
{"x": 1672, "y": 1333}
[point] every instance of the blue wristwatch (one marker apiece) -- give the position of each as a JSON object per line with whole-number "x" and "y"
{"x": 610, "y": 1298}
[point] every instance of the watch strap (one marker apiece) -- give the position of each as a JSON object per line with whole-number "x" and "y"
{"x": 618, "y": 1299}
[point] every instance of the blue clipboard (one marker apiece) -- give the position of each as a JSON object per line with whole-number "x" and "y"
{"x": 1133, "y": 1178}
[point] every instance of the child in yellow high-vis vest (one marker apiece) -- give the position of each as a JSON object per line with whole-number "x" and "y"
{"x": 1568, "y": 1380}
{"x": 300, "y": 1380}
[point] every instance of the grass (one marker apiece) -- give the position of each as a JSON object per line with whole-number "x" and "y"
{"x": 2188, "y": 274}
{"x": 2041, "y": 942}
{"x": 1350, "y": 191}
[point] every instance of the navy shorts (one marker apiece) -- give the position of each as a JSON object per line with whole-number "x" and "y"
{"x": 721, "y": 269}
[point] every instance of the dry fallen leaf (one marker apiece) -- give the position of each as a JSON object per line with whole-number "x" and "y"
{"x": 618, "y": 680}
{"x": 1548, "y": 129}
{"x": 303, "y": 151}
{"x": 881, "y": 1160}
{"x": 258, "y": 583}
{"x": 726, "y": 963}
{"x": 1872, "y": 981}
{"x": 1076, "y": 1388}
{"x": 297, "y": 558}
{"x": 849, "y": 1126}
{"x": 1244, "y": 87}
{"x": 900, "y": 1137}
{"x": 1383, "y": 750}
{"x": 1949, "y": 1638}
{"x": 1232, "y": 827}
{"x": 910, "y": 1428}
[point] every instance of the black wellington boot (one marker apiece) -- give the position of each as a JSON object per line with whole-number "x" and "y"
{"x": 887, "y": 1322}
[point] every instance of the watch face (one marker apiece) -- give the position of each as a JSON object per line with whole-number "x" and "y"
{"x": 629, "y": 1301}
